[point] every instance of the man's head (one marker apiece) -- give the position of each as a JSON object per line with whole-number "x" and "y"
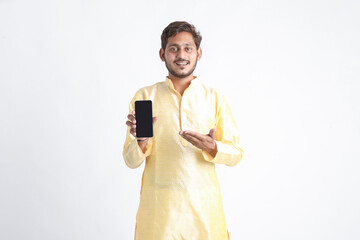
{"x": 177, "y": 27}
{"x": 180, "y": 49}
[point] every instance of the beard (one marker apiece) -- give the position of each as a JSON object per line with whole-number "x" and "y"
{"x": 180, "y": 75}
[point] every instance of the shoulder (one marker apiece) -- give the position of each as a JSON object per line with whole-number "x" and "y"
{"x": 209, "y": 90}
{"x": 213, "y": 95}
{"x": 149, "y": 91}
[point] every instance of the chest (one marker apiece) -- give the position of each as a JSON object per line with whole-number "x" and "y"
{"x": 191, "y": 111}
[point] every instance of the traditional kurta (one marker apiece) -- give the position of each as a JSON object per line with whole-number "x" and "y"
{"x": 180, "y": 195}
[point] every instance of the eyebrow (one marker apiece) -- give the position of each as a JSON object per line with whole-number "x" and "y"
{"x": 176, "y": 45}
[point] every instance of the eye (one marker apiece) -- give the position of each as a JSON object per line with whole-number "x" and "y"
{"x": 188, "y": 49}
{"x": 173, "y": 49}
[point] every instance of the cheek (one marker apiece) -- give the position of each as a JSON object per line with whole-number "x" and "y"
{"x": 169, "y": 57}
{"x": 194, "y": 57}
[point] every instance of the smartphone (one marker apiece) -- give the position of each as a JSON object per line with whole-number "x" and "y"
{"x": 144, "y": 118}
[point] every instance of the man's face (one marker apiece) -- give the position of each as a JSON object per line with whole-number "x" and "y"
{"x": 181, "y": 55}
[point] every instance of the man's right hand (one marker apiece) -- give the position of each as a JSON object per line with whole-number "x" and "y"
{"x": 131, "y": 122}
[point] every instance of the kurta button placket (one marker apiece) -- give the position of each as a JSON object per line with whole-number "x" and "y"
{"x": 182, "y": 117}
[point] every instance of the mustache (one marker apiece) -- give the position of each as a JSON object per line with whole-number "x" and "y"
{"x": 181, "y": 60}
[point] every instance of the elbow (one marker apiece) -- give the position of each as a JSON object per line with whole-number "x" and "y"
{"x": 130, "y": 163}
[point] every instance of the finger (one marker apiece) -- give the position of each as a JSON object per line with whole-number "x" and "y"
{"x": 131, "y": 118}
{"x": 130, "y": 124}
{"x": 194, "y": 141}
{"x": 212, "y": 133}
{"x": 193, "y": 134}
{"x": 133, "y": 132}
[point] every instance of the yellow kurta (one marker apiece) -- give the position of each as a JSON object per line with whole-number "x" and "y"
{"x": 180, "y": 195}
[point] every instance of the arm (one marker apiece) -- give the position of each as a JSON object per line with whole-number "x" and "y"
{"x": 221, "y": 145}
{"x": 135, "y": 152}
{"x": 226, "y": 137}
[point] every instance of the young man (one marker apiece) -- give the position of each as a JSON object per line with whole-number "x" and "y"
{"x": 193, "y": 129}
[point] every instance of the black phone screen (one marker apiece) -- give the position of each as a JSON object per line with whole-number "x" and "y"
{"x": 143, "y": 115}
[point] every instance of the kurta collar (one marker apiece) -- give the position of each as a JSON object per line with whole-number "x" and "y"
{"x": 171, "y": 85}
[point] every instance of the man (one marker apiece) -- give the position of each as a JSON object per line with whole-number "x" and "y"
{"x": 193, "y": 129}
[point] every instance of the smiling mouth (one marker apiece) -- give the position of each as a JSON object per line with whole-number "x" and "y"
{"x": 182, "y": 63}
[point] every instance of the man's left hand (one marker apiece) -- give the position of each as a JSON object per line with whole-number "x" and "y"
{"x": 202, "y": 141}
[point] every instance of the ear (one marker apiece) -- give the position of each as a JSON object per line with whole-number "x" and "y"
{"x": 162, "y": 54}
{"x": 199, "y": 52}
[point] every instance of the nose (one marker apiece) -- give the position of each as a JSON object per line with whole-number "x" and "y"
{"x": 181, "y": 53}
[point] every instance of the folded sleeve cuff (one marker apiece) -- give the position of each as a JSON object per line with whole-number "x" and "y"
{"x": 134, "y": 156}
{"x": 226, "y": 154}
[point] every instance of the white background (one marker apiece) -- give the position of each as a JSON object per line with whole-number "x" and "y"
{"x": 289, "y": 69}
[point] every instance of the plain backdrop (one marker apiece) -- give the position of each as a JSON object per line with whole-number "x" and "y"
{"x": 289, "y": 69}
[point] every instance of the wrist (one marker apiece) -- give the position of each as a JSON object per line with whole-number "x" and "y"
{"x": 142, "y": 140}
{"x": 142, "y": 143}
{"x": 213, "y": 151}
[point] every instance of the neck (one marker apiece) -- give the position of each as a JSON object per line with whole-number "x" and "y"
{"x": 180, "y": 84}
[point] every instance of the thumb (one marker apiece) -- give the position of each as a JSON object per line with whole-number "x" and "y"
{"x": 212, "y": 133}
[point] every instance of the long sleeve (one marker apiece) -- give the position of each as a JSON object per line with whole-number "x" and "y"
{"x": 132, "y": 153}
{"x": 226, "y": 137}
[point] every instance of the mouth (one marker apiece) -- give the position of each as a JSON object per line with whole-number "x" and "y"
{"x": 182, "y": 63}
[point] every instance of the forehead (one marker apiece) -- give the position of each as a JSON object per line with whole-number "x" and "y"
{"x": 183, "y": 38}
